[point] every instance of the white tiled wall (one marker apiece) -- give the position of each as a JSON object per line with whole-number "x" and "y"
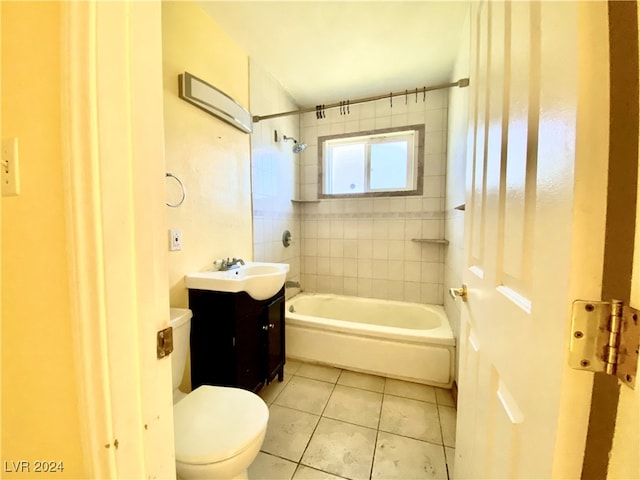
{"x": 274, "y": 170}
{"x": 363, "y": 246}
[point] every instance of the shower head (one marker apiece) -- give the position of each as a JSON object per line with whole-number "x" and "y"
{"x": 298, "y": 147}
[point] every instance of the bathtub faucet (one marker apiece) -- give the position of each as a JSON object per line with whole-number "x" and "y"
{"x": 291, "y": 284}
{"x": 229, "y": 264}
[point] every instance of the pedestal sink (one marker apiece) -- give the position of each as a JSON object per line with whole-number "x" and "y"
{"x": 261, "y": 280}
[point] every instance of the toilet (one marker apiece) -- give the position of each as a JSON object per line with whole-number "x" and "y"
{"x": 218, "y": 430}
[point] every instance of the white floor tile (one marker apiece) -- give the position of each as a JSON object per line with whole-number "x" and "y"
{"x": 319, "y": 372}
{"x": 411, "y": 418}
{"x": 305, "y": 394}
{"x": 404, "y": 458}
{"x": 326, "y": 423}
{"x": 342, "y": 449}
{"x": 291, "y": 366}
{"x": 450, "y": 455}
{"x": 448, "y": 423}
{"x": 416, "y": 391}
{"x": 308, "y": 473}
{"x": 271, "y": 391}
{"x": 354, "y": 405}
{"x": 268, "y": 467}
{"x": 444, "y": 397}
{"x": 288, "y": 432}
{"x": 362, "y": 380}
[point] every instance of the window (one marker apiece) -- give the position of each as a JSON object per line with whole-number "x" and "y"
{"x": 379, "y": 163}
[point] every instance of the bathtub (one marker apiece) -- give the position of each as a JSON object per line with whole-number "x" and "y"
{"x": 407, "y": 341}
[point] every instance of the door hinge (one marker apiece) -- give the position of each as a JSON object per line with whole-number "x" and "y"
{"x": 164, "y": 342}
{"x": 605, "y": 337}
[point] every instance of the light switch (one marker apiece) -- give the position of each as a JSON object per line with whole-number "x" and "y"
{"x": 9, "y": 167}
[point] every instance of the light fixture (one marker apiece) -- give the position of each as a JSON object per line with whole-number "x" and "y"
{"x": 214, "y": 101}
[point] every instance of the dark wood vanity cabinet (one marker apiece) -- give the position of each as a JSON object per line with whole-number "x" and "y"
{"x": 235, "y": 340}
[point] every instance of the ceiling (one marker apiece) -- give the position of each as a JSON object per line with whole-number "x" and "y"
{"x": 325, "y": 52}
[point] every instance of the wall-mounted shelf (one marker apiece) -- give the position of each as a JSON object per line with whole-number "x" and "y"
{"x": 295, "y": 200}
{"x": 440, "y": 241}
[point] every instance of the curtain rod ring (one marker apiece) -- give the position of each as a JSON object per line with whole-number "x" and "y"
{"x": 184, "y": 193}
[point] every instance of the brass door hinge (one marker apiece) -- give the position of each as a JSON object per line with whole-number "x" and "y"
{"x": 605, "y": 337}
{"x": 165, "y": 342}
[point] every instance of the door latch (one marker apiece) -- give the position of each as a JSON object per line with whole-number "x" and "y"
{"x": 165, "y": 342}
{"x": 459, "y": 292}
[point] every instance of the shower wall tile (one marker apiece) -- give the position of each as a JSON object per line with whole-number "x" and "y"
{"x": 352, "y": 126}
{"x": 396, "y": 250}
{"x": 337, "y": 267}
{"x": 324, "y": 284}
{"x": 309, "y": 282}
{"x": 350, "y": 248}
{"x": 350, "y": 286}
{"x": 336, "y": 284}
{"x": 367, "y": 124}
{"x": 364, "y": 287}
{"x": 324, "y": 247}
{"x": 323, "y": 266}
{"x": 415, "y": 118}
{"x": 363, "y": 246}
{"x": 412, "y": 292}
{"x": 368, "y": 110}
{"x": 365, "y": 268}
{"x": 350, "y": 266}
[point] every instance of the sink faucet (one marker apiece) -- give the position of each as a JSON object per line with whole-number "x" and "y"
{"x": 230, "y": 264}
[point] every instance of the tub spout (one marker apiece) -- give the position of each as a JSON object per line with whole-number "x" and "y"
{"x": 291, "y": 284}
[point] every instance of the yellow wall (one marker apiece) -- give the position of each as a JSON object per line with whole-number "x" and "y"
{"x": 40, "y": 418}
{"x": 210, "y": 157}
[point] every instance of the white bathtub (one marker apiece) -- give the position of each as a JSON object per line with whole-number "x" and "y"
{"x": 408, "y": 341}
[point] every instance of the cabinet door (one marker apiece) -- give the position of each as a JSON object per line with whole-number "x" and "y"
{"x": 275, "y": 339}
{"x": 212, "y": 338}
{"x": 249, "y": 349}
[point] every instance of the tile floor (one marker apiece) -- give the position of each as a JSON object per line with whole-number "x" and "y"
{"x": 328, "y": 423}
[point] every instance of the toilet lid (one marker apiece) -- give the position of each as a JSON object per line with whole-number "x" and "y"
{"x": 212, "y": 424}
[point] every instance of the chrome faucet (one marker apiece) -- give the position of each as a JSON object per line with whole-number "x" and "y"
{"x": 230, "y": 264}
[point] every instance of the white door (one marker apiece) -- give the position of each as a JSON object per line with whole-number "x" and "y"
{"x": 534, "y": 234}
{"x": 116, "y": 213}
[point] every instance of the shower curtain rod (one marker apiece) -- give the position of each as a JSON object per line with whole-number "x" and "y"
{"x": 463, "y": 82}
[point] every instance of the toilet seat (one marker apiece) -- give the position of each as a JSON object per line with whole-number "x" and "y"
{"x": 213, "y": 424}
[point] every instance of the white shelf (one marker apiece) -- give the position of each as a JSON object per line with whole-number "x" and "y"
{"x": 440, "y": 241}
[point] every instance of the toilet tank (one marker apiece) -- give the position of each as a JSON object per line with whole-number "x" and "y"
{"x": 180, "y": 320}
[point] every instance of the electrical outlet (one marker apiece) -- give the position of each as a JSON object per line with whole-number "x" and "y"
{"x": 175, "y": 239}
{"x": 9, "y": 167}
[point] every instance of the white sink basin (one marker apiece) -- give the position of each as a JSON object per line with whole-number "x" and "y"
{"x": 261, "y": 280}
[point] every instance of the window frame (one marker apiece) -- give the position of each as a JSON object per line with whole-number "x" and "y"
{"x": 417, "y": 164}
